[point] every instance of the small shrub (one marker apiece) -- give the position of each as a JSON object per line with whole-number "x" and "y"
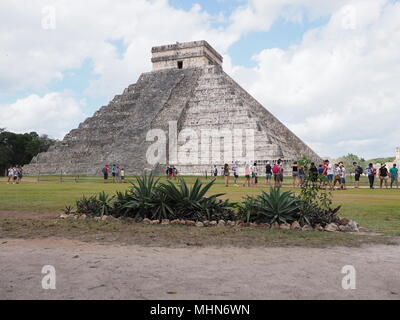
{"x": 90, "y": 206}
{"x": 275, "y": 206}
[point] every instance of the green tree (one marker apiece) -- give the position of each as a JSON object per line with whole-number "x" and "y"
{"x": 19, "y": 149}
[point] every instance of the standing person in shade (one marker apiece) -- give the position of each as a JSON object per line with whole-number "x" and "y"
{"x": 371, "y": 172}
{"x": 295, "y": 174}
{"x": 226, "y": 174}
{"x": 394, "y": 176}
{"x": 105, "y": 172}
{"x": 342, "y": 176}
{"x": 383, "y": 175}
{"x": 302, "y": 175}
{"x": 215, "y": 171}
{"x": 15, "y": 175}
{"x": 313, "y": 172}
{"x": 10, "y": 174}
{"x": 122, "y": 173}
{"x": 247, "y": 173}
{"x": 235, "y": 170}
{"x": 268, "y": 174}
{"x": 19, "y": 168}
{"x": 357, "y": 174}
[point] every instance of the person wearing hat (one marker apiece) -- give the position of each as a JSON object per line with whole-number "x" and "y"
{"x": 383, "y": 175}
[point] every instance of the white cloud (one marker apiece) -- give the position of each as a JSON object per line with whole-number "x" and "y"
{"x": 338, "y": 88}
{"x": 51, "y": 114}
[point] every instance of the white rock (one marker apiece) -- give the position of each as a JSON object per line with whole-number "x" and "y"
{"x": 332, "y": 227}
{"x": 284, "y": 226}
{"x": 307, "y": 227}
{"x": 295, "y": 226}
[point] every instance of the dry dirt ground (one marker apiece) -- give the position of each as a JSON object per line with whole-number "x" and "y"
{"x": 104, "y": 271}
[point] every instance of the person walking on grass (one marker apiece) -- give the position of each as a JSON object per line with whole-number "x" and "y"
{"x": 268, "y": 174}
{"x": 342, "y": 176}
{"x": 254, "y": 174}
{"x": 371, "y": 173}
{"x": 15, "y": 175}
{"x": 337, "y": 176}
{"x": 394, "y": 176}
{"x": 235, "y": 170}
{"x": 277, "y": 171}
{"x": 226, "y": 174}
{"x": 10, "y": 174}
{"x": 19, "y": 171}
{"x": 330, "y": 174}
{"x": 357, "y": 174}
{"x": 113, "y": 172}
{"x": 122, "y": 174}
{"x": 215, "y": 171}
{"x": 105, "y": 172}
{"x": 383, "y": 175}
{"x": 118, "y": 175}
{"x": 247, "y": 173}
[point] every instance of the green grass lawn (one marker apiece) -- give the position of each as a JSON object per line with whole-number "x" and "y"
{"x": 373, "y": 209}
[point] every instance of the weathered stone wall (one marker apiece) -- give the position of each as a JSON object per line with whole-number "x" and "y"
{"x": 192, "y": 54}
{"x": 196, "y": 98}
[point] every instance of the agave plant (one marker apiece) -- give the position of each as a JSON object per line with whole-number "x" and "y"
{"x": 105, "y": 204}
{"x": 143, "y": 200}
{"x": 192, "y": 203}
{"x": 275, "y": 206}
{"x": 90, "y": 206}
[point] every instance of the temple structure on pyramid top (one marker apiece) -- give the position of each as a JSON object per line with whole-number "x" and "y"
{"x": 208, "y": 120}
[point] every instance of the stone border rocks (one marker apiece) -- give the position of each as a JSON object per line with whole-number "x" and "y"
{"x": 344, "y": 224}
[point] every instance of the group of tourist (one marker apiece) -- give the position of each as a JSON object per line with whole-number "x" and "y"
{"x": 171, "y": 173}
{"x": 14, "y": 174}
{"x": 117, "y": 173}
{"x": 326, "y": 175}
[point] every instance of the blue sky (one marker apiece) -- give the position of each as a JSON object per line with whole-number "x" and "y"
{"x": 314, "y": 64}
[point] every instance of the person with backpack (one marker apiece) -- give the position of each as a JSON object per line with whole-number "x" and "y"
{"x": 268, "y": 174}
{"x": 295, "y": 174}
{"x": 357, "y": 174}
{"x": 383, "y": 175}
{"x": 371, "y": 172}
{"x": 277, "y": 171}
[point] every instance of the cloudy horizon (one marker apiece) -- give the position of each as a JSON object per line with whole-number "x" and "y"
{"x": 329, "y": 71}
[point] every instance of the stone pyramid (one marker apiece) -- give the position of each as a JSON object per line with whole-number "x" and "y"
{"x": 187, "y": 86}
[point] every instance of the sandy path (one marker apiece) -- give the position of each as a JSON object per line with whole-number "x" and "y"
{"x": 133, "y": 272}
